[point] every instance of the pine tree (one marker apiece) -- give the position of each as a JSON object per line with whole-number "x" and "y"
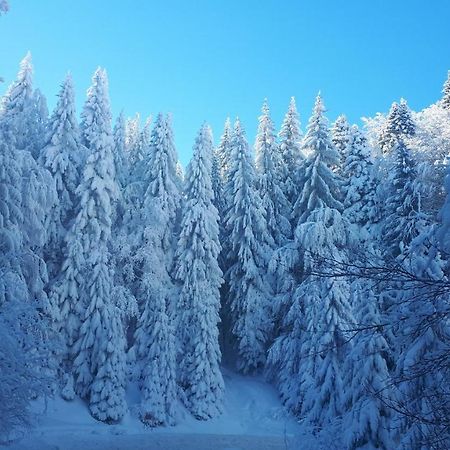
{"x": 155, "y": 343}
{"x": 445, "y": 101}
{"x": 63, "y": 156}
{"x": 139, "y": 151}
{"x": 155, "y": 291}
{"x": 308, "y": 364}
{"x": 405, "y": 219}
{"x": 16, "y": 106}
{"x": 341, "y": 137}
{"x": 290, "y": 151}
{"x": 224, "y": 150}
{"x": 39, "y": 123}
{"x": 274, "y": 203}
{"x": 399, "y": 126}
{"x": 198, "y": 273}
{"x": 36, "y": 187}
{"x": 424, "y": 340}
{"x": 369, "y": 418}
{"x": 319, "y": 186}
{"x": 359, "y": 201}
{"x": 99, "y": 350}
{"x": 120, "y": 162}
{"x": 217, "y": 185}
{"x": 132, "y": 133}
{"x": 250, "y": 247}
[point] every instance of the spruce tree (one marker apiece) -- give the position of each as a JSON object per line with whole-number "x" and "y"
{"x": 422, "y": 381}
{"x": 224, "y": 150}
{"x": 319, "y": 186}
{"x": 445, "y": 101}
{"x": 405, "y": 219}
{"x": 120, "y": 162}
{"x": 359, "y": 187}
{"x": 274, "y": 203}
{"x": 308, "y": 356}
{"x": 63, "y": 156}
{"x": 37, "y": 189}
{"x": 217, "y": 184}
{"x": 341, "y": 137}
{"x": 155, "y": 345}
{"x": 155, "y": 240}
{"x": 200, "y": 277}
{"x": 291, "y": 155}
{"x": 250, "y": 246}
{"x": 99, "y": 363}
{"x": 399, "y": 126}
{"x": 367, "y": 380}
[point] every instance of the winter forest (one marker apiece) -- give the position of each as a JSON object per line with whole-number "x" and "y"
{"x": 317, "y": 258}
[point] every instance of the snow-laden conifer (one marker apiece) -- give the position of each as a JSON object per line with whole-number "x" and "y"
{"x": 405, "y": 219}
{"x": 99, "y": 350}
{"x": 445, "y": 101}
{"x": 155, "y": 245}
{"x": 307, "y": 358}
{"x": 399, "y": 125}
{"x": 63, "y": 156}
{"x": 200, "y": 277}
{"x": 359, "y": 186}
{"x": 250, "y": 246}
{"x": 155, "y": 345}
{"x": 367, "y": 380}
{"x": 274, "y": 203}
{"x": 319, "y": 186}
{"x": 291, "y": 155}
{"x": 341, "y": 137}
{"x": 224, "y": 150}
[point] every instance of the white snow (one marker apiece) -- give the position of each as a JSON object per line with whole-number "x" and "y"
{"x": 253, "y": 418}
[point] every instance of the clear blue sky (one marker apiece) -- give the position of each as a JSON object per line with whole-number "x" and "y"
{"x": 207, "y": 59}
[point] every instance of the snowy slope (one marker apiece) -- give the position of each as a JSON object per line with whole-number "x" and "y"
{"x": 253, "y": 419}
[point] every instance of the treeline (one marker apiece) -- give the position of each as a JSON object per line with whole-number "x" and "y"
{"x": 320, "y": 259}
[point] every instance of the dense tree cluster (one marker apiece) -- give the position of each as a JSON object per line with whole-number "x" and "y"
{"x": 117, "y": 268}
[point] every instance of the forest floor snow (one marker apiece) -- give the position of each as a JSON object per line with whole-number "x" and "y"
{"x": 253, "y": 419}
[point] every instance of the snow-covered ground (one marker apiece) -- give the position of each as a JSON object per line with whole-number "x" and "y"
{"x": 253, "y": 419}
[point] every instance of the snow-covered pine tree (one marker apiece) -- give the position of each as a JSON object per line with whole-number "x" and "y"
{"x": 445, "y": 101}
{"x": 63, "y": 155}
{"x": 399, "y": 126}
{"x": 139, "y": 152}
{"x": 38, "y": 122}
{"x": 275, "y": 206}
{"x": 424, "y": 340}
{"x": 291, "y": 155}
{"x": 132, "y": 133}
{"x": 224, "y": 150}
{"x": 155, "y": 342}
{"x": 367, "y": 378}
{"x": 405, "y": 219}
{"x": 99, "y": 364}
{"x": 24, "y": 335}
{"x": 154, "y": 241}
{"x": 308, "y": 364}
{"x": 200, "y": 277}
{"x": 16, "y": 106}
{"x": 37, "y": 189}
{"x": 320, "y": 187}
{"x": 120, "y": 162}
{"x": 217, "y": 184}
{"x": 250, "y": 246}
{"x": 341, "y": 137}
{"x": 359, "y": 187}
{"x": 156, "y": 220}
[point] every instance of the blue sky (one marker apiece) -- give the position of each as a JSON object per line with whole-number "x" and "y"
{"x": 206, "y": 60}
